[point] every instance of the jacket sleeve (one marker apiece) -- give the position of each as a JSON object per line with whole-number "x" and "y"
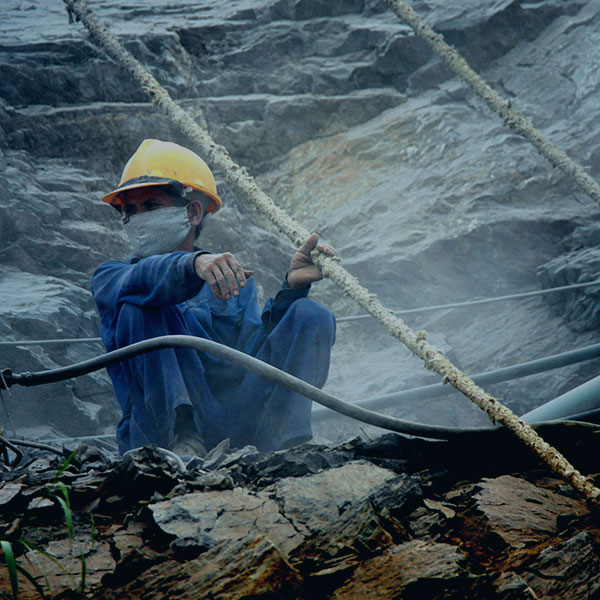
{"x": 275, "y": 307}
{"x": 155, "y": 281}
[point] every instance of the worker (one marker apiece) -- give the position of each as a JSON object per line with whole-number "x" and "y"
{"x": 182, "y": 399}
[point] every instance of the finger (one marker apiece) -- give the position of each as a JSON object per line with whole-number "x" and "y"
{"x": 216, "y": 291}
{"x": 230, "y": 280}
{"x": 327, "y": 250}
{"x": 309, "y": 244}
{"x": 211, "y": 280}
{"x": 248, "y": 273}
{"x": 237, "y": 271}
{"x": 221, "y": 282}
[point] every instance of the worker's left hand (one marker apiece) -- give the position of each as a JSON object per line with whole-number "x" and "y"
{"x": 302, "y": 269}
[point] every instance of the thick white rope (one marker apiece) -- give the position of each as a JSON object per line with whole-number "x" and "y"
{"x": 512, "y": 117}
{"x": 239, "y": 178}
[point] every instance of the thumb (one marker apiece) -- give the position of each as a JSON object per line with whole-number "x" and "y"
{"x": 310, "y": 243}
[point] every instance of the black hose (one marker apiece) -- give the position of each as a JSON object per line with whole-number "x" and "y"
{"x": 244, "y": 360}
{"x": 5, "y": 443}
{"x": 36, "y": 445}
{"x": 248, "y": 362}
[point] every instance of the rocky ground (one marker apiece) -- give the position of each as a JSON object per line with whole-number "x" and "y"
{"x": 392, "y": 517}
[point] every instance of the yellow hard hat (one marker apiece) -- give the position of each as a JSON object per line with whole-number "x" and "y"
{"x": 166, "y": 163}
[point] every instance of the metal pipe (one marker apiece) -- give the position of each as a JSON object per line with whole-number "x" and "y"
{"x": 423, "y": 309}
{"x": 582, "y": 399}
{"x": 505, "y": 374}
{"x": 52, "y": 342}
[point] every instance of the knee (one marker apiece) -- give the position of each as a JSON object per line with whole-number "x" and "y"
{"x": 311, "y": 315}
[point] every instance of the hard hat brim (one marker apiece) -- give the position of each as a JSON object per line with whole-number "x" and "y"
{"x": 113, "y": 199}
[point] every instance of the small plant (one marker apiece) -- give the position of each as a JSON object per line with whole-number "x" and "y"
{"x": 11, "y": 565}
{"x": 60, "y": 493}
{"x": 14, "y": 568}
{"x": 66, "y": 506}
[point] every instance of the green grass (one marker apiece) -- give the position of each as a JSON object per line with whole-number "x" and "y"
{"x": 60, "y": 494}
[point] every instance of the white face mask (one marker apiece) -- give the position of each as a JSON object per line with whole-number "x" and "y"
{"x": 157, "y": 231}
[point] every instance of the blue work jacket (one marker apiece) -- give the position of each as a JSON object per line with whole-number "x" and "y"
{"x": 169, "y": 280}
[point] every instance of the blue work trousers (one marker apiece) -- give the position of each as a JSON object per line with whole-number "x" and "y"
{"x": 227, "y": 401}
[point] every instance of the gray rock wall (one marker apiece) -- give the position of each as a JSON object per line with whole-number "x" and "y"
{"x": 355, "y": 128}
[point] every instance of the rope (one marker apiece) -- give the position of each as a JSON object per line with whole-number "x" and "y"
{"x": 422, "y": 309}
{"x": 239, "y": 178}
{"x": 513, "y": 118}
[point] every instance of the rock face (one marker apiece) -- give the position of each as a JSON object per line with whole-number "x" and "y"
{"x": 351, "y": 125}
{"x": 389, "y": 518}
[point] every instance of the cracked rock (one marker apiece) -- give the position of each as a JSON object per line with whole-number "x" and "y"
{"x": 228, "y": 514}
{"x": 314, "y": 501}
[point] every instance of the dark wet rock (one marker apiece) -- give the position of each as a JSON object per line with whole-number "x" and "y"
{"x": 415, "y": 569}
{"x": 222, "y": 456}
{"x": 141, "y": 474}
{"x": 220, "y": 480}
{"x": 294, "y": 462}
{"x": 579, "y": 264}
{"x": 39, "y": 504}
{"x": 68, "y": 553}
{"x": 570, "y": 569}
{"x": 364, "y": 528}
{"x": 186, "y": 548}
{"x": 284, "y": 513}
{"x": 251, "y": 568}
{"x": 509, "y": 586}
{"x": 8, "y": 492}
{"x": 521, "y": 513}
{"x": 130, "y": 553}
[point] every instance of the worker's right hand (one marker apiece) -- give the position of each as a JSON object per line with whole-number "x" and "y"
{"x": 222, "y": 272}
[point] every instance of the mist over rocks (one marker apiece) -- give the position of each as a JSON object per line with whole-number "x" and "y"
{"x": 353, "y": 126}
